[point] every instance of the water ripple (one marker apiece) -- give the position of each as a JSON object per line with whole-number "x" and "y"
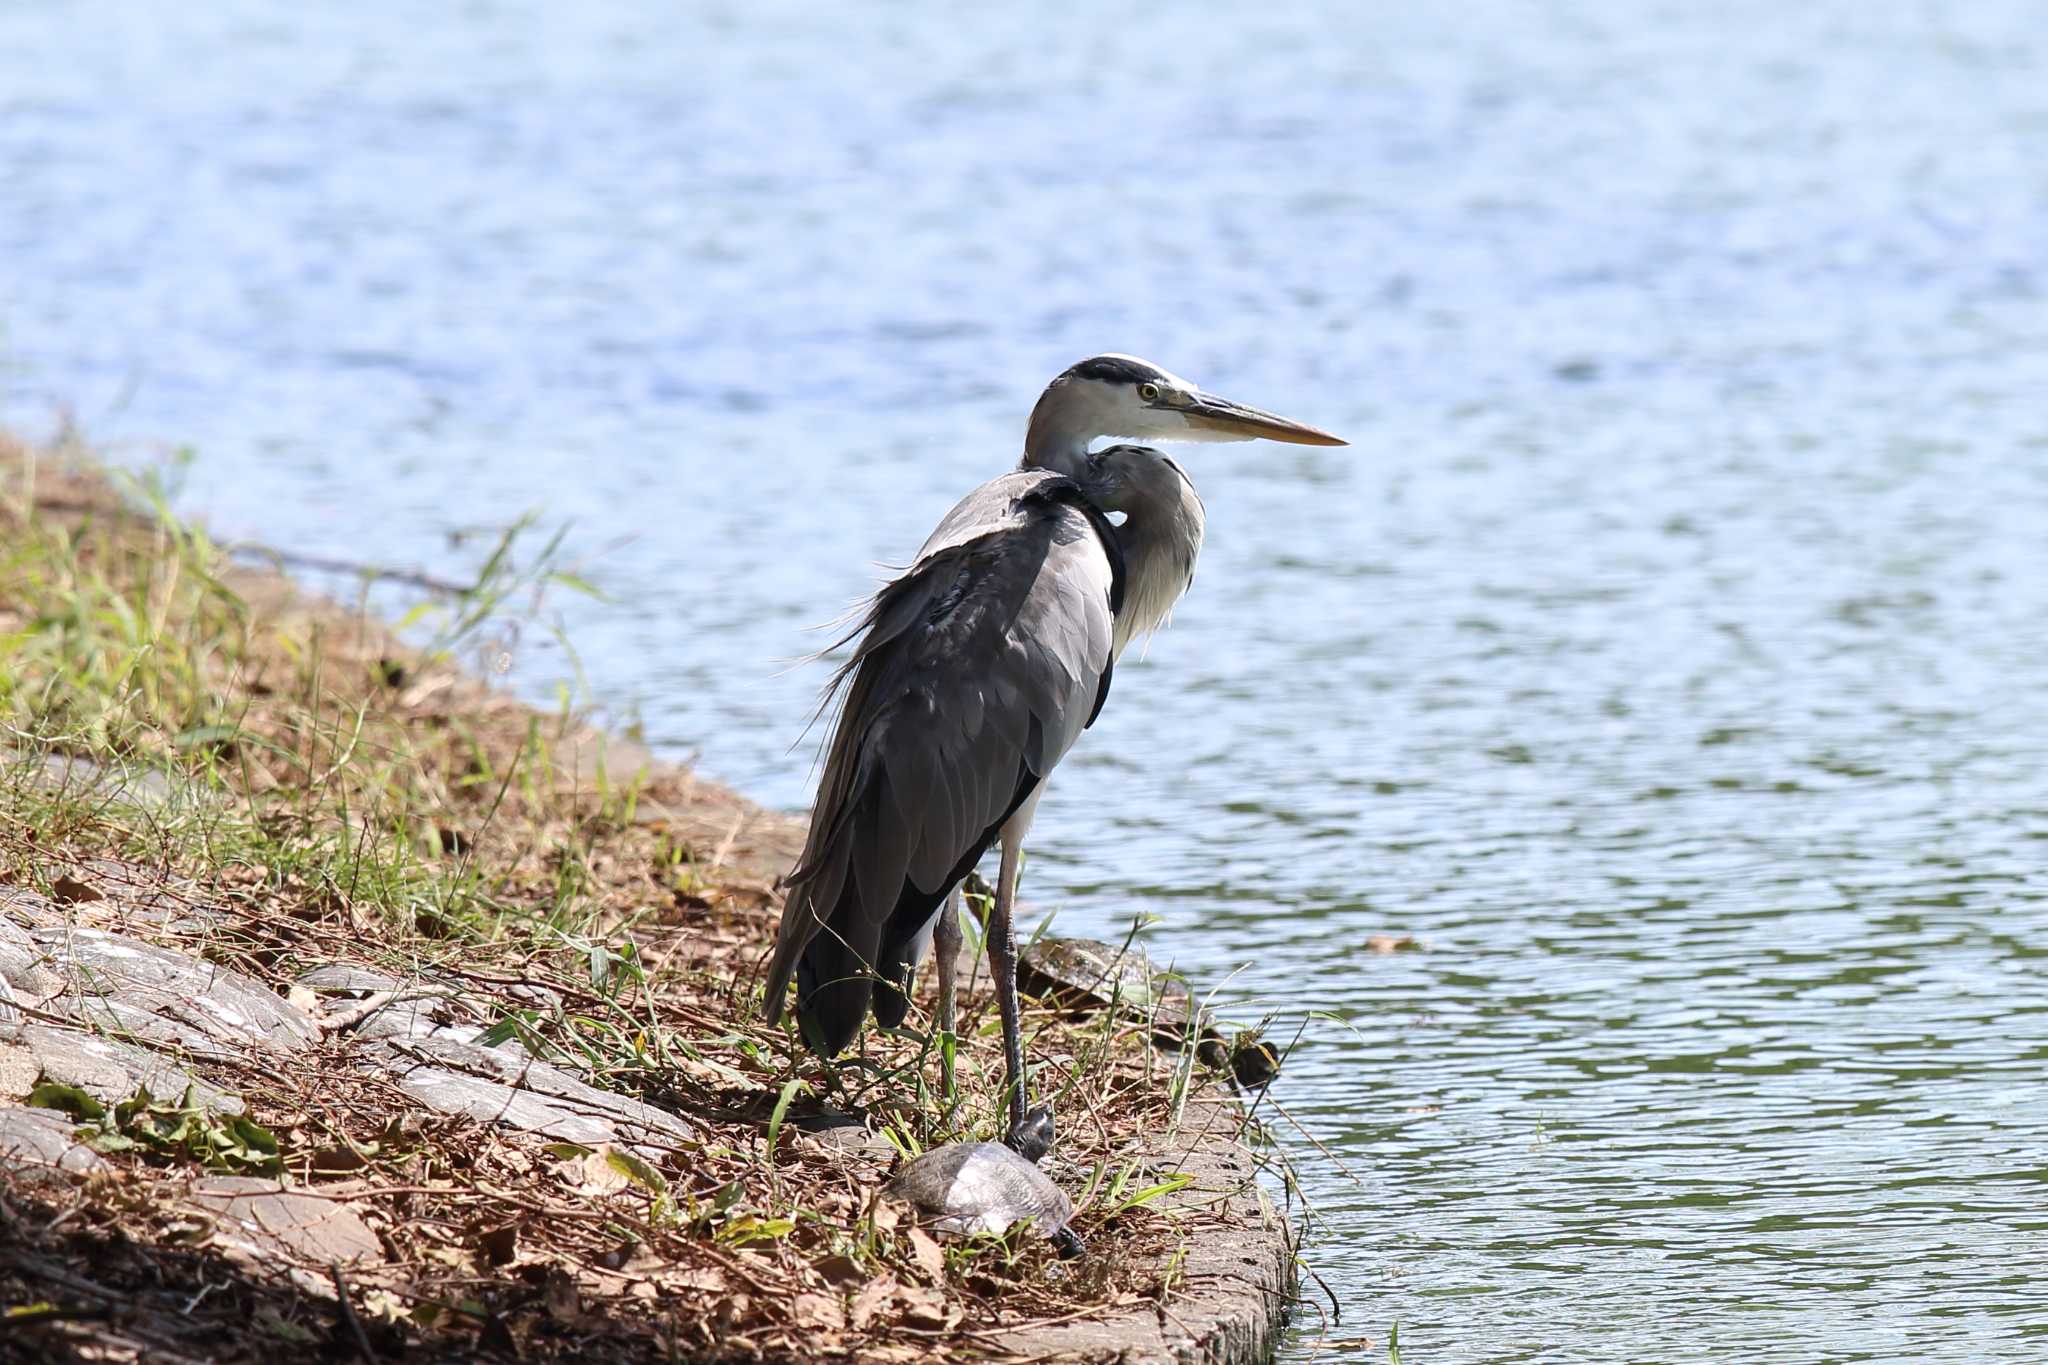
{"x": 1665, "y": 655}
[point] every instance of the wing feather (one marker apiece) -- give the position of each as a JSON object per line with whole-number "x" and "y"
{"x": 975, "y": 672}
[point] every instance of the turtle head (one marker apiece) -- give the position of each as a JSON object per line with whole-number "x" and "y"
{"x": 1031, "y": 1137}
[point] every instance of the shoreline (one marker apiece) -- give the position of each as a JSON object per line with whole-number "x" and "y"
{"x": 539, "y": 892}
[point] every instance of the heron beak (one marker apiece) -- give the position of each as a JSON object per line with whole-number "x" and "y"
{"x": 1236, "y": 422}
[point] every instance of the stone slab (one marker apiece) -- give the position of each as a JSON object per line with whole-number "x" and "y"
{"x": 269, "y": 1219}
{"x": 349, "y": 978}
{"x": 107, "y": 892}
{"x": 110, "y": 1071}
{"x": 498, "y": 1085}
{"x": 25, "y": 975}
{"x": 39, "y": 1143}
{"x": 160, "y": 995}
{"x": 416, "y": 1009}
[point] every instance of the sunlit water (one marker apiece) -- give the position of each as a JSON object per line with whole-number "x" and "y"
{"x": 1667, "y": 653}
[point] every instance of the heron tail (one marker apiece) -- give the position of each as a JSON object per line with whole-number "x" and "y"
{"x": 833, "y": 987}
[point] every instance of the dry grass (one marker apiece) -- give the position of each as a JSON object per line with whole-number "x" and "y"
{"x": 334, "y": 794}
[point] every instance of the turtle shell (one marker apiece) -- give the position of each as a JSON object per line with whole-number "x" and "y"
{"x": 969, "y": 1187}
{"x": 1088, "y": 974}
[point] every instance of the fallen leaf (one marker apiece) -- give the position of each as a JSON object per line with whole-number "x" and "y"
{"x": 598, "y": 1174}
{"x": 636, "y": 1170}
{"x": 729, "y": 1311}
{"x": 69, "y": 890}
{"x": 927, "y": 1308}
{"x": 869, "y": 1301}
{"x": 499, "y": 1245}
{"x": 383, "y": 1305}
{"x": 303, "y": 999}
{"x": 930, "y": 1257}
{"x": 837, "y": 1269}
{"x": 817, "y": 1313}
{"x": 558, "y": 1291}
{"x": 706, "y": 1280}
{"x": 338, "y": 1160}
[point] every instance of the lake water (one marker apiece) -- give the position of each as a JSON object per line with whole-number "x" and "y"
{"x": 1666, "y": 653}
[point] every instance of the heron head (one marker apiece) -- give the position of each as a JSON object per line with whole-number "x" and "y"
{"x": 1132, "y": 478}
{"x": 1124, "y": 397}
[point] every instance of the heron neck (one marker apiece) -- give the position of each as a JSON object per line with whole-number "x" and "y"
{"x": 1068, "y": 457}
{"x": 1059, "y": 434}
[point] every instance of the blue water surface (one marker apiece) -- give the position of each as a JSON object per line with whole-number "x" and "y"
{"x": 1665, "y": 654}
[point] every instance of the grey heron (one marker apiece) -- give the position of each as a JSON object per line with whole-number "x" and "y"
{"x": 976, "y": 671}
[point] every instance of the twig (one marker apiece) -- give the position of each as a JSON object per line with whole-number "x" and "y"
{"x": 739, "y": 822}
{"x": 1336, "y": 1306}
{"x": 42, "y": 1313}
{"x": 320, "y": 563}
{"x": 354, "y": 1014}
{"x": 348, "y": 1314}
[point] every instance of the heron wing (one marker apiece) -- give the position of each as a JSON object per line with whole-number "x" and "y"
{"x": 975, "y": 672}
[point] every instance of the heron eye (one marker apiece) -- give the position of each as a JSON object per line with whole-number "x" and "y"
{"x": 1149, "y": 392}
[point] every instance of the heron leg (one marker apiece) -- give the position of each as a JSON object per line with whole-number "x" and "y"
{"x": 1002, "y": 956}
{"x": 946, "y": 940}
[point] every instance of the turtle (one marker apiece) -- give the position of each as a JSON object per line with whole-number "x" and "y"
{"x": 1088, "y": 974}
{"x": 989, "y": 1187}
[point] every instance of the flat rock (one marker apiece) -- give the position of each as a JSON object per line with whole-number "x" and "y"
{"x": 846, "y": 1136}
{"x": 266, "y": 1219}
{"x": 349, "y": 978}
{"x": 499, "y": 1085}
{"x": 10, "y": 1008}
{"x": 160, "y": 995}
{"x": 138, "y": 787}
{"x": 19, "y": 1071}
{"x": 106, "y": 891}
{"x": 25, "y": 977}
{"x": 414, "y": 1016}
{"x": 111, "y": 1071}
{"x": 422, "y": 1040}
{"x": 416, "y": 1009}
{"x": 39, "y": 1143}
